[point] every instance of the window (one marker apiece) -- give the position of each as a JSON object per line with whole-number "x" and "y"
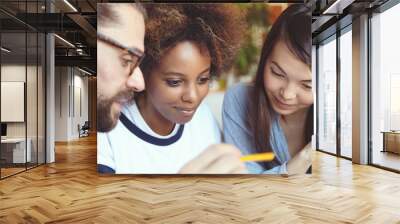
{"x": 385, "y": 88}
{"x": 327, "y": 96}
{"x": 346, "y": 94}
{"x": 22, "y": 65}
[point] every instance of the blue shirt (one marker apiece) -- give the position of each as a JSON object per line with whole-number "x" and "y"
{"x": 236, "y": 132}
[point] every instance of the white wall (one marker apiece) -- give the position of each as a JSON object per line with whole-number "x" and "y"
{"x": 61, "y": 103}
{"x": 71, "y": 94}
{"x": 33, "y": 126}
{"x": 13, "y": 73}
{"x": 80, "y": 101}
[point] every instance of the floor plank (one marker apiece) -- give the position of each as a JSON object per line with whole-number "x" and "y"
{"x": 71, "y": 191}
{"x": 387, "y": 159}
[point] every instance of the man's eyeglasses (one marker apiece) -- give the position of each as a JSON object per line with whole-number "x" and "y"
{"x": 137, "y": 55}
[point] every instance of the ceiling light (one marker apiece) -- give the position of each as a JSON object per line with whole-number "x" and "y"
{"x": 65, "y": 41}
{"x": 84, "y": 71}
{"x": 337, "y": 7}
{"x": 70, "y": 5}
{"x": 5, "y": 50}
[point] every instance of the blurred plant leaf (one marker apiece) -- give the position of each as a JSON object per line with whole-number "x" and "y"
{"x": 249, "y": 52}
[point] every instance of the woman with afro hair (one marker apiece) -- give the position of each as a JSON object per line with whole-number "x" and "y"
{"x": 168, "y": 129}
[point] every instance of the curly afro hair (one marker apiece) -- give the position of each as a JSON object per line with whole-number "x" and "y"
{"x": 219, "y": 28}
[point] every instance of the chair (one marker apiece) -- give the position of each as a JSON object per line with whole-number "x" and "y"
{"x": 84, "y": 130}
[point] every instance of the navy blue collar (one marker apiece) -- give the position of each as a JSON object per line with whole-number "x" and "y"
{"x": 149, "y": 138}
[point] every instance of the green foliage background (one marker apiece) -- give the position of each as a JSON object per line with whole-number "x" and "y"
{"x": 258, "y": 25}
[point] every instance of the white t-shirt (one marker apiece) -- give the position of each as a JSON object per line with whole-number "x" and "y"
{"x": 132, "y": 147}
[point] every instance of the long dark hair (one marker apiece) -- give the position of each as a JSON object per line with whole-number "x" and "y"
{"x": 293, "y": 27}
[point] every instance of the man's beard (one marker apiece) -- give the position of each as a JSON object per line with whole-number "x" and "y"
{"x": 106, "y": 121}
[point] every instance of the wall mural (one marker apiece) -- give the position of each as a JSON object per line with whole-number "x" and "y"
{"x": 164, "y": 81}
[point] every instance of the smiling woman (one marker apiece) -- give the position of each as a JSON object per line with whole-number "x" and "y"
{"x": 168, "y": 129}
{"x": 275, "y": 113}
{"x": 176, "y": 87}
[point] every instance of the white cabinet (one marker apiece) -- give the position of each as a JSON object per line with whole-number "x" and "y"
{"x": 19, "y": 155}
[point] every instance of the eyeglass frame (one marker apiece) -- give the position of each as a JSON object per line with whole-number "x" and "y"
{"x": 135, "y": 52}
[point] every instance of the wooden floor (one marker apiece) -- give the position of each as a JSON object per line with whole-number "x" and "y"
{"x": 387, "y": 159}
{"x": 5, "y": 172}
{"x": 71, "y": 191}
{"x": 10, "y": 171}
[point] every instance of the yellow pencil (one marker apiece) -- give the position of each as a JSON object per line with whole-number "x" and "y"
{"x": 268, "y": 156}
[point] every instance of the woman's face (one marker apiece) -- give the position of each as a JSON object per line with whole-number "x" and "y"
{"x": 176, "y": 87}
{"x": 287, "y": 81}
